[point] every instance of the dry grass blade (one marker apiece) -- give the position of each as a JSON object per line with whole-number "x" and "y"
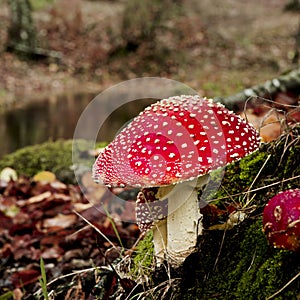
{"x": 160, "y": 290}
{"x": 254, "y": 180}
{"x": 71, "y": 274}
{"x": 285, "y": 286}
{"x": 94, "y": 227}
{"x": 259, "y": 188}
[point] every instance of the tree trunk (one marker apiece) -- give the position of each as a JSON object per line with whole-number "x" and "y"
{"x": 21, "y": 33}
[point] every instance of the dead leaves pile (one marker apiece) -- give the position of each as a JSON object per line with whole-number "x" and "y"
{"x": 38, "y": 220}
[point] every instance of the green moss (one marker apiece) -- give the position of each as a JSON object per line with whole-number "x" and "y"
{"x": 142, "y": 263}
{"x": 290, "y": 162}
{"x": 50, "y": 156}
{"x": 40, "y": 4}
{"x": 245, "y": 268}
{"x": 251, "y": 165}
{"x": 258, "y": 265}
{"x": 239, "y": 176}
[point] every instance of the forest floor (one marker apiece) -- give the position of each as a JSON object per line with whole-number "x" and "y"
{"x": 220, "y": 48}
{"x": 217, "y": 49}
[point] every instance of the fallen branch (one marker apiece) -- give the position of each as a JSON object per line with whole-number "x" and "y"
{"x": 35, "y": 53}
{"x": 287, "y": 82}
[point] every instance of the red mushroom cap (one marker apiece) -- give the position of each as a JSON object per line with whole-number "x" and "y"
{"x": 174, "y": 140}
{"x": 281, "y": 220}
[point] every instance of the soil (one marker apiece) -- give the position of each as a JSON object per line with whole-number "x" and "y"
{"x": 217, "y": 47}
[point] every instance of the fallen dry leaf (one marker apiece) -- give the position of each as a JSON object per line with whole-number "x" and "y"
{"x": 79, "y": 207}
{"x": 18, "y": 294}
{"x": 35, "y": 199}
{"x": 53, "y": 252}
{"x": 44, "y": 177}
{"x": 268, "y": 124}
{"x": 60, "y": 221}
{"x": 24, "y": 277}
{"x": 8, "y": 174}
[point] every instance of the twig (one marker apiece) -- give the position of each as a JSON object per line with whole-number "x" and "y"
{"x": 257, "y": 175}
{"x": 113, "y": 226}
{"x": 260, "y": 188}
{"x": 77, "y": 272}
{"x": 221, "y": 246}
{"x": 252, "y": 260}
{"x": 286, "y": 147}
{"x": 166, "y": 284}
{"x": 285, "y": 286}
{"x": 281, "y": 104}
{"x": 94, "y": 227}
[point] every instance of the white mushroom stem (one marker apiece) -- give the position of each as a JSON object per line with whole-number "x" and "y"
{"x": 184, "y": 218}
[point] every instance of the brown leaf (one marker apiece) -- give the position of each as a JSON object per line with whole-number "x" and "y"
{"x": 294, "y": 115}
{"x": 44, "y": 177}
{"x": 58, "y": 185}
{"x": 79, "y": 207}
{"x": 24, "y": 277}
{"x": 22, "y": 247}
{"x": 60, "y": 221}
{"x": 35, "y": 199}
{"x": 18, "y": 294}
{"x": 5, "y": 222}
{"x": 284, "y": 99}
{"x": 53, "y": 252}
{"x": 268, "y": 124}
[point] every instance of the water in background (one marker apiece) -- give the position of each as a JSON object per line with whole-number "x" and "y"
{"x": 56, "y": 118}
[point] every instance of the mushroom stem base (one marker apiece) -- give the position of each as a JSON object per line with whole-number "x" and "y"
{"x": 184, "y": 218}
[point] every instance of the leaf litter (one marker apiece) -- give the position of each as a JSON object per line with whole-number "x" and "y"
{"x": 41, "y": 217}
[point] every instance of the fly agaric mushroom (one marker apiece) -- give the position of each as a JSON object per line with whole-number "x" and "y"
{"x": 173, "y": 145}
{"x": 281, "y": 220}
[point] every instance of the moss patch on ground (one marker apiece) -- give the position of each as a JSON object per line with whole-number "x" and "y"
{"x": 239, "y": 264}
{"x": 142, "y": 263}
{"x": 55, "y": 157}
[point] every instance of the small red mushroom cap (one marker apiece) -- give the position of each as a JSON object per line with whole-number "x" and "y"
{"x": 281, "y": 220}
{"x": 174, "y": 140}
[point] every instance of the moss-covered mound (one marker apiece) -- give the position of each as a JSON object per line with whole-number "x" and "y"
{"x": 50, "y": 156}
{"x": 239, "y": 264}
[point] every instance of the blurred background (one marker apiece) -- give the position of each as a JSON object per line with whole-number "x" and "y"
{"x": 57, "y": 55}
